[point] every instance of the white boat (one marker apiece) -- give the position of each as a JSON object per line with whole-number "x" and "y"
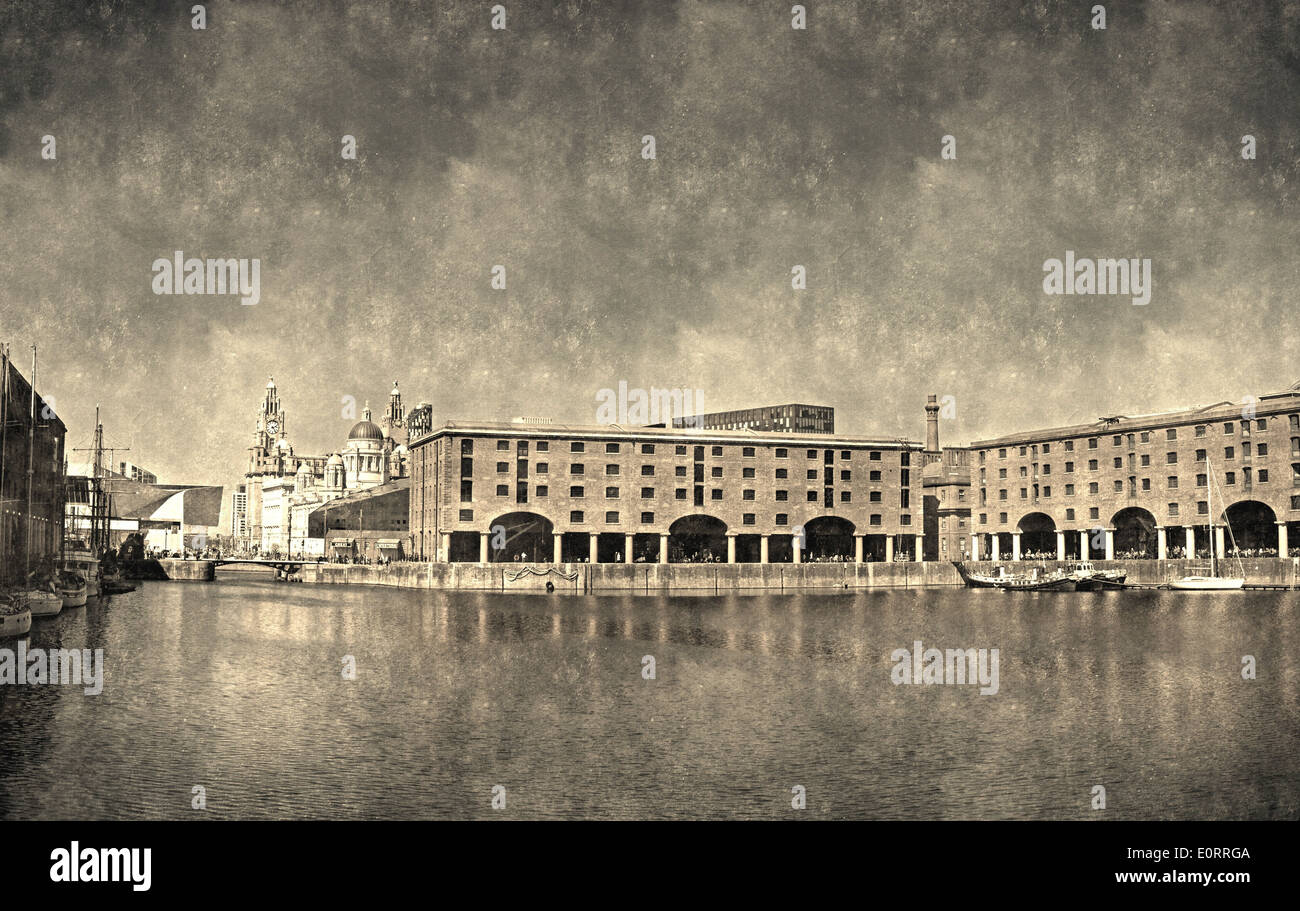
{"x": 15, "y": 618}
{"x": 1209, "y": 579}
{"x": 72, "y": 589}
{"x": 1207, "y": 584}
{"x": 42, "y": 604}
{"x": 86, "y": 566}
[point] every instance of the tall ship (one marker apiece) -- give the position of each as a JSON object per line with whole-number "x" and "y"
{"x": 86, "y": 524}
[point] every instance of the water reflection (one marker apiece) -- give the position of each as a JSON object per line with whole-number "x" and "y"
{"x": 237, "y": 686}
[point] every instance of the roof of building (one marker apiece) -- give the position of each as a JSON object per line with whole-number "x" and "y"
{"x": 397, "y": 485}
{"x": 1287, "y": 400}
{"x": 649, "y": 434}
{"x": 365, "y": 430}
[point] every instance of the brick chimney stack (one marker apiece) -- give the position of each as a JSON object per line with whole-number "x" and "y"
{"x": 931, "y": 424}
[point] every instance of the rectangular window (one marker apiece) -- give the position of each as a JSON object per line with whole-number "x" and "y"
{"x": 747, "y": 518}
{"x": 845, "y": 496}
{"x": 747, "y": 452}
{"x": 1092, "y": 464}
{"x": 1069, "y": 445}
{"x": 577, "y": 468}
{"x": 647, "y": 493}
{"x": 812, "y": 496}
{"x": 575, "y": 517}
{"x": 1069, "y": 490}
{"x": 782, "y": 519}
{"x": 611, "y": 469}
{"x": 647, "y": 448}
{"x": 466, "y": 447}
{"x": 875, "y": 497}
{"x": 647, "y": 471}
{"x": 1171, "y": 458}
{"x": 611, "y": 518}
{"x": 577, "y": 447}
{"x": 467, "y": 515}
{"x": 611, "y": 493}
{"x": 904, "y": 519}
{"x": 716, "y": 494}
{"x": 577, "y": 491}
{"x": 611, "y": 447}
{"x": 543, "y": 490}
{"x": 503, "y": 490}
{"x": 503, "y": 467}
{"x": 1229, "y": 452}
{"x": 783, "y": 494}
{"x": 543, "y": 446}
{"x": 647, "y": 518}
{"x": 681, "y": 450}
{"x": 466, "y": 468}
{"x": 543, "y": 468}
{"x": 1173, "y": 481}
{"x": 747, "y": 472}
{"x": 747, "y": 495}
{"x": 716, "y": 471}
{"x": 846, "y": 475}
{"x": 680, "y": 471}
{"x": 1069, "y": 515}
{"x": 717, "y": 451}
{"x": 782, "y": 454}
{"x": 503, "y": 445}
{"x": 873, "y": 476}
{"x": 1173, "y": 509}
{"x": 467, "y": 491}
{"x": 680, "y": 493}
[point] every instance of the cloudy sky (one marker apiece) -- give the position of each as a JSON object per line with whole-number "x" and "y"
{"x": 774, "y": 147}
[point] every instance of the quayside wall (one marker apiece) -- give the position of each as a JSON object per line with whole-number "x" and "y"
{"x": 720, "y": 577}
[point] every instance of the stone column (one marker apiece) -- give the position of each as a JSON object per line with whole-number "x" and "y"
{"x": 731, "y": 547}
{"x": 482, "y": 547}
{"x": 627, "y": 548}
{"x": 1110, "y": 544}
{"x": 444, "y": 555}
{"x": 1162, "y": 546}
{"x": 558, "y": 547}
{"x": 1282, "y": 545}
{"x": 857, "y": 546}
{"x": 1190, "y": 532}
{"x": 1060, "y": 545}
{"x": 762, "y": 549}
{"x": 889, "y": 548}
{"x": 592, "y": 558}
{"x": 1084, "y": 552}
{"x": 1015, "y": 545}
{"x": 1218, "y": 540}
{"x": 996, "y": 541}
{"x": 796, "y": 555}
{"x": 920, "y": 548}
{"x": 974, "y": 546}
{"x": 663, "y": 548}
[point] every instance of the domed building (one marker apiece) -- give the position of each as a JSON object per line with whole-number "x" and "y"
{"x": 365, "y": 455}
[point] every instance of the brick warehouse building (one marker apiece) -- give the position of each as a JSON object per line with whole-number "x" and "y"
{"x": 1139, "y": 486}
{"x": 500, "y": 492}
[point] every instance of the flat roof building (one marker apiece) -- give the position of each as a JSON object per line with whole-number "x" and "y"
{"x": 767, "y": 419}
{"x": 503, "y": 491}
{"x": 1142, "y": 485}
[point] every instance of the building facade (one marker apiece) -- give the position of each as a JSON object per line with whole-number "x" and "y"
{"x": 500, "y": 492}
{"x": 767, "y": 419}
{"x": 1154, "y": 486}
{"x": 33, "y": 534}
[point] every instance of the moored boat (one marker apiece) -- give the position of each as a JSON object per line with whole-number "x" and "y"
{"x": 1208, "y": 579}
{"x": 72, "y": 589}
{"x": 42, "y": 604}
{"x": 15, "y": 618}
{"x": 86, "y": 566}
{"x": 1087, "y": 578}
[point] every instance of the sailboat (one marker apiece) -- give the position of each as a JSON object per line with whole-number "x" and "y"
{"x": 1211, "y": 581}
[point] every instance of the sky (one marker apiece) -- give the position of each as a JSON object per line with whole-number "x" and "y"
{"x": 522, "y": 147}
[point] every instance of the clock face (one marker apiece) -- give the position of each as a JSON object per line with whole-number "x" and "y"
{"x": 272, "y": 426}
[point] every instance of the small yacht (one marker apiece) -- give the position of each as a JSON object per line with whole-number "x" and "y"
{"x": 1206, "y": 578}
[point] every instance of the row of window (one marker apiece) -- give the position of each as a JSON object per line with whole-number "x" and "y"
{"x": 1200, "y": 430}
{"x": 648, "y": 471}
{"x": 1229, "y": 478}
{"x": 578, "y": 517}
{"x": 579, "y": 491}
{"x": 748, "y": 452}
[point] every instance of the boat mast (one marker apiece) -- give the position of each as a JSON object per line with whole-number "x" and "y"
{"x": 1210, "y": 466}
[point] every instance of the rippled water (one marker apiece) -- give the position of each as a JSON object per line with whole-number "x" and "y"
{"x": 237, "y": 687}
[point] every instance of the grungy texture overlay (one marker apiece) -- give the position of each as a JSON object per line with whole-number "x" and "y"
{"x": 522, "y": 147}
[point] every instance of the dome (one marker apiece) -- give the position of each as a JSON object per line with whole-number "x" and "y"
{"x": 304, "y": 469}
{"x": 365, "y": 430}
{"x": 334, "y": 459}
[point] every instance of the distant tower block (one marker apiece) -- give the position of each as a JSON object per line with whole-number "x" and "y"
{"x": 931, "y": 423}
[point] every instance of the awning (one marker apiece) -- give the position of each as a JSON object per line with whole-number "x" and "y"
{"x": 341, "y": 542}
{"x": 389, "y": 544}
